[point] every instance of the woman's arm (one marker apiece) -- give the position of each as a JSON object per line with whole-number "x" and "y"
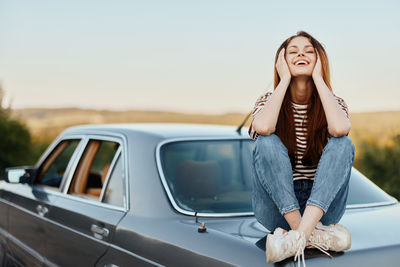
{"x": 338, "y": 122}
{"x": 265, "y": 120}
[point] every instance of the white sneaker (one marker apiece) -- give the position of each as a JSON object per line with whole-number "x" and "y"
{"x": 283, "y": 244}
{"x": 333, "y": 237}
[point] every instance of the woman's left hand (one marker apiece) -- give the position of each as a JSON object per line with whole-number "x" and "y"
{"x": 317, "y": 72}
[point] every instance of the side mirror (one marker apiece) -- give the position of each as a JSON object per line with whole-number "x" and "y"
{"x": 21, "y": 175}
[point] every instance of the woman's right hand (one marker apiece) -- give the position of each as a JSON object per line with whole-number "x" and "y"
{"x": 282, "y": 66}
{"x": 265, "y": 120}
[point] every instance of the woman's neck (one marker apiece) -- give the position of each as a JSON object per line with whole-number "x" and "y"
{"x": 301, "y": 89}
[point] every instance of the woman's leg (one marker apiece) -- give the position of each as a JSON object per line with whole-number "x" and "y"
{"x": 265, "y": 210}
{"x": 328, "y": 197}
{"x": 337, "y": 207}
{"x": 273, "y": 195}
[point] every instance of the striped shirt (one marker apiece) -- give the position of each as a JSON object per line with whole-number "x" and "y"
{"x": 300, "y": 171}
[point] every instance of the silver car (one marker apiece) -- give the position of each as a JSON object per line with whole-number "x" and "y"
{"x": 163, "y": 195}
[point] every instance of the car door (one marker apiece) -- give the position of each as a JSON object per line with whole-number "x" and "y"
{"x": 3, "y": 225}
{"x": 85, "y": 216}
{"x": 29, "y": 205}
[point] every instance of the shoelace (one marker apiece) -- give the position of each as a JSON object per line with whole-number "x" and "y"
{"x": 321, "y": 248}
{"x": 299, "y": 244}
{"x": 321, "y": 245}
{"x": 300, "y": 254}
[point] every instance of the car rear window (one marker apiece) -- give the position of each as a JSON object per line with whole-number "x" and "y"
{"x": 215, "y": 176}
{"x": 209, "y": 176}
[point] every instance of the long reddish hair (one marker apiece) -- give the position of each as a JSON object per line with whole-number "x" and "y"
{"x": 317, "y": 132}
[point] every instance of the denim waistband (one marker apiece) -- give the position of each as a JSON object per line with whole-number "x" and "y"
{"x": 302, "y": 185}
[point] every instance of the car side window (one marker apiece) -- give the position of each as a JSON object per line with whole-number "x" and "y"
{"x": 93, "y": 168}
{"x": 114, "y": 193}
{"x": 52, "y": 170}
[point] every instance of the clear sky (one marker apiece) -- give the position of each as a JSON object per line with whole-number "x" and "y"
{"x": 208, "y": 56}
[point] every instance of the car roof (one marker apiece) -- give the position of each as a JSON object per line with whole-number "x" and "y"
{"x": 162, "y": 130}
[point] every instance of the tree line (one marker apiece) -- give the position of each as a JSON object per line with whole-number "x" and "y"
{"x": 381, "y": 163}
{"x": 15, "y": 140}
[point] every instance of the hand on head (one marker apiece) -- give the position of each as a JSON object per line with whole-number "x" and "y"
{"x": 282, "y": 66}
{"x": 317, "y": 72}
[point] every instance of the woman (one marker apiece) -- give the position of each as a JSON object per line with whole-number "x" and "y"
{"x": 302, "y": 157}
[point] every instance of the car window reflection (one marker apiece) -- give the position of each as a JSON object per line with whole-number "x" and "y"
{"x": 215, "y": 176}
{"x": 114, "y": 193}
{"x": 209, "y": 176}
{"x": 53, "y": 169}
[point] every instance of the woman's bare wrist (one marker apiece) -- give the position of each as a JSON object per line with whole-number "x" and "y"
{"x": 285, "y": 80}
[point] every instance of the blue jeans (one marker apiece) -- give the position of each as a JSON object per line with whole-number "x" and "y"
{"x": 275, "y": 193}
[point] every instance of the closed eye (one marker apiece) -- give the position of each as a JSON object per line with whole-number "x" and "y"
{"x": 312, "y": 52}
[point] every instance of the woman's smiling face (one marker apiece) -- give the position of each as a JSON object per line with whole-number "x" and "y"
{"x": 300, "y": 57}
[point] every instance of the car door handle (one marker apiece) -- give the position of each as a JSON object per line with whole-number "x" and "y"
{"x": 99, "y": 232}
{"x": 42, "y": 210}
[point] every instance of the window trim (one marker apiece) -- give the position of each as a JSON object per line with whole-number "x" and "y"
{"x": 84, "y": 139}
{"x": 168, "y": 191}
{"x": 49, "y": 151}
{"x": 90, "y": 152}
{"x": 122, "y": 144}
{"x": 67, "y": 180}
{"x": 85, "y": 200}
{"x": 55, "y": 143}
{"x": 372, "y": 204}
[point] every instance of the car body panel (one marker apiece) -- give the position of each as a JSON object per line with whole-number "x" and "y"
{"x": 72, "y": 220}
{"x": 25, "y": 225}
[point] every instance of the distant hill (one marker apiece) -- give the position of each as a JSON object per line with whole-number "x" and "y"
{"x": 45, "y": 124}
